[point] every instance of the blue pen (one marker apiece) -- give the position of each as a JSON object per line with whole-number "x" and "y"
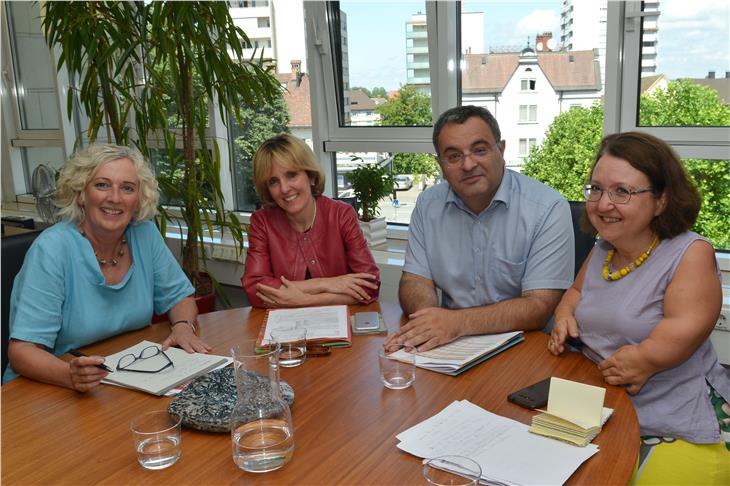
{"x": 79, "y": 354}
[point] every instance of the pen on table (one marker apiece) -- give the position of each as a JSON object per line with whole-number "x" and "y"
{"x": 79, "y": 354}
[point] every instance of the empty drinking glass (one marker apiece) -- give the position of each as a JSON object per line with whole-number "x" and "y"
{"x": 452, "y": 471}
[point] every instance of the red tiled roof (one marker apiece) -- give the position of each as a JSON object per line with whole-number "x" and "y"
{"x": 297, "y": 100}
{"x": 490, "y": 73}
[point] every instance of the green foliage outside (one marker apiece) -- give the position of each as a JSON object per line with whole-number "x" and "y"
{"x": 255, "y": 127}
{"x": 409, "y": 108}
{"x": 564, "y": 158}
{"x": 687, "y": 103}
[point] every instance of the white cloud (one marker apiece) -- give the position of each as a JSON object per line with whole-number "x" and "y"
{"x": 539, "y": 21}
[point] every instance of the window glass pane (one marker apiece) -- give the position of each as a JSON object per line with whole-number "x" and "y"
{"x": 35, "y": 156}
{"x": 685, "y": 64}
{"x": 170, "y": 175}
{"x": 713, "y": 181}
{"x": 529, "y": 61}
{"x": 259, "y": 125}
{"x": 413, "y": 174}
{"x": 34, "y": 71}
{"x": 370, "y": 84}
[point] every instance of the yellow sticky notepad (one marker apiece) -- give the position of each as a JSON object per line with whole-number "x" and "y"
{"x": 576, "y": 402}
{"x": 575, "y": 412}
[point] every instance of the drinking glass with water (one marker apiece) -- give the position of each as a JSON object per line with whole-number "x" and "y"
{"x": 157, "y": 439}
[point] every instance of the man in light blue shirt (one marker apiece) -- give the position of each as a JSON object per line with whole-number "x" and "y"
{"x": 498, "y": 244}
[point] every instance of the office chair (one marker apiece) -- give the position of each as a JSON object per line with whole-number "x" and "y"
{"x": 584, "y": 242}
{"x": 352, "y": 201}
{"x": 14, "y": 249}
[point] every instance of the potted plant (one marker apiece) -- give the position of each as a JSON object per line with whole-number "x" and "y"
{"x": 371, "y": 183}
{"x": 165, "y": 63}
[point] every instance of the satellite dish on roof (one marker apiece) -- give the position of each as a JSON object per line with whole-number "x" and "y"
{"x": 551, "y": 44}
{"x": 539, "y": 46}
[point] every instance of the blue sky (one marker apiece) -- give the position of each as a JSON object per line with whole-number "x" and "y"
{"x": 692, "y": 41}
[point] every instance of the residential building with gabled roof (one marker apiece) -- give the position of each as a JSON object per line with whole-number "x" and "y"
{"x": 526, "y": 90}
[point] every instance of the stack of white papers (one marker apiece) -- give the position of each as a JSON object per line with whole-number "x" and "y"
{"x": 507, "y": 453}
{"x": 462, "y": 354}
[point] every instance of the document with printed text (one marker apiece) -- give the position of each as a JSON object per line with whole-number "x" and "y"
{"x": 467, "y": 351}
{"x": 327, "y": 325}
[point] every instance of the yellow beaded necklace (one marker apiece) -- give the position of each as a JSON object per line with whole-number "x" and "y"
{"x": 619, "y": 274}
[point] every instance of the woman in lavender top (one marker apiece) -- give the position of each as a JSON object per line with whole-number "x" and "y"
{"x": 644, "y": 304}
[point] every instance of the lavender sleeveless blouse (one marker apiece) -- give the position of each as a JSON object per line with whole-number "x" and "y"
{"x": 673, "y": 402}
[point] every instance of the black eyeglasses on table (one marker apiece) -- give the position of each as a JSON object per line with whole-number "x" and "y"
{"x": 126, "y": 361}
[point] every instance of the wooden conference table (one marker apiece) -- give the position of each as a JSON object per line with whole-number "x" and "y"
{"x": 345, "y": 421}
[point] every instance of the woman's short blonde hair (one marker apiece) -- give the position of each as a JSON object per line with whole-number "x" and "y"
{"x": 291, "y": 153}
{"x": 81, "y": 167}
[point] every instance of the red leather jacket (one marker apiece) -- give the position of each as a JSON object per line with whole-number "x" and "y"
{"x": 333, "y": 246}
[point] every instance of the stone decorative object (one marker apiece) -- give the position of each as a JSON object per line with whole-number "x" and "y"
{"x": 375, "y": 231}
{"x": 206, "y": 403}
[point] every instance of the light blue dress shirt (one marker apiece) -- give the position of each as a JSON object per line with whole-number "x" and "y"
{"x": 60, "y": 299}
{"x": 522, "y": 241}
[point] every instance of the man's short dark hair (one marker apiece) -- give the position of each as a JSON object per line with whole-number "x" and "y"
{"x": 460, "y": 114}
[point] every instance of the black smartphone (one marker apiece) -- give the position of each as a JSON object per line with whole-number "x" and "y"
{"x": 533, "y": 396}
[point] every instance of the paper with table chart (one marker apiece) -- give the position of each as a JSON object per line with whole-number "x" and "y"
{"x": 186, "y": 366}
{"x": 507, "y": 453}
{"x": 467, "y": 351}
{"x": 328, "y": 325}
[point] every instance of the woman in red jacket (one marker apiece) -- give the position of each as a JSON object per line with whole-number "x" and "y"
{"x": 304, "y": 248}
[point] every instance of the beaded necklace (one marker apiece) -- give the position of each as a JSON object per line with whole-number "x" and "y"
{"x": 103, "y": 261}
{"x": 619, "y": 274}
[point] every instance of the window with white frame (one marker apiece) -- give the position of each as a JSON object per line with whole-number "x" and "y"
{"x": 31, "y": 123}
{"x": 528, "y": 113}
{"x": 463, "y": 67}
{"x": 678, "y": 91}
{"x": 527, "y": 84}
{"x": 526, "y": 145}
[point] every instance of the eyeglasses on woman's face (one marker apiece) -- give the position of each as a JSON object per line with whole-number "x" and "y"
{"x": 620, "y": 194}
{"x": 143, "y": 362}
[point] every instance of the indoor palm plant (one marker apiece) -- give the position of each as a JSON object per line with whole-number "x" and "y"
{"x": 371, "y": 183}
{"x": 158, "y": 67}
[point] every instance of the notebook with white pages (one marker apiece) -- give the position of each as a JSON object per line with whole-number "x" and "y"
{"x": 186, "y": 366}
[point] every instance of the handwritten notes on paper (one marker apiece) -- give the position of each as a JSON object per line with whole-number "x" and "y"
{"x": 507, "y": 453}
{"x": 186, "y": 366}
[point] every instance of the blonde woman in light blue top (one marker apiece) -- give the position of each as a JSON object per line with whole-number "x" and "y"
{"x": 101, "y": 271}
